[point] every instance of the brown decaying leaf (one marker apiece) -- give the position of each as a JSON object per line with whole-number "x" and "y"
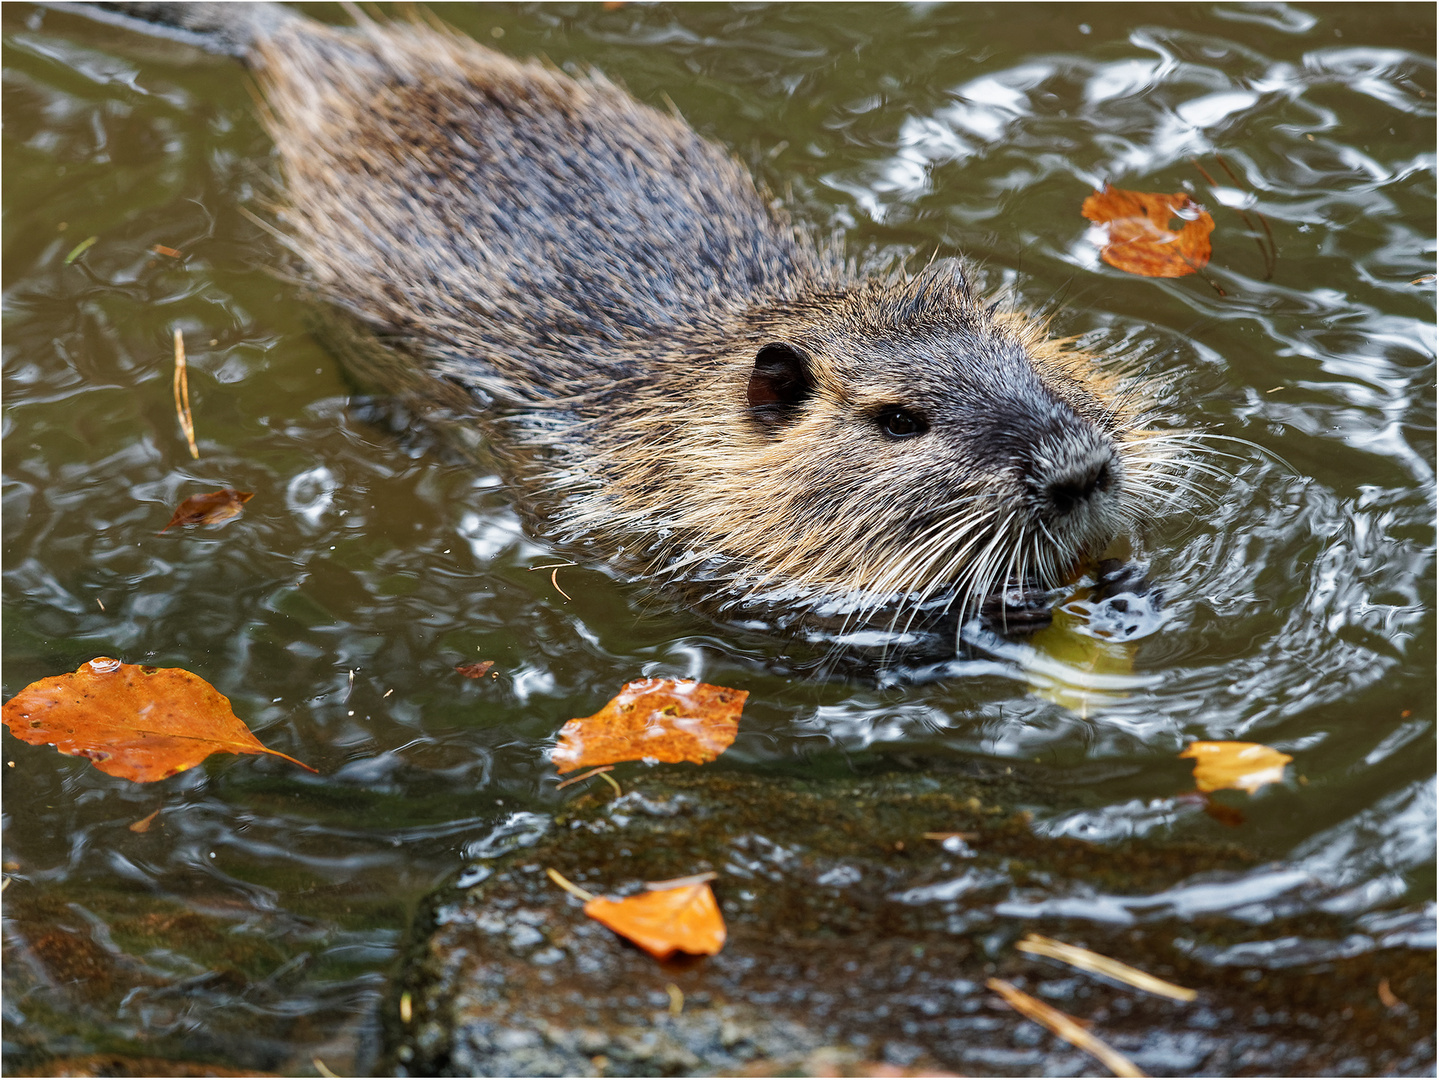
{"x": 475, "y": 670}
{"x": 660, "y": 719}
{"x": 1100, "y": 964}
{"x": 666, "y": 921}
{"x": 139, "y": 723}
{"x": 1065, "y": 1026}
{"x": 1140, "y": 241}
{"x": 210, "y": 508}
{"x": 1243, "y": 766}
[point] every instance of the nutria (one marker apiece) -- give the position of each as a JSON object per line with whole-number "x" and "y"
{"x": 690, "y": 384}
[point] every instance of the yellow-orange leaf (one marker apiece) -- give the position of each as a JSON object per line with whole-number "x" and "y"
{"x": 1140, "y": 241}
{"x": 1244, "y": 766}
{"x": 665, "y": 921}
{"x": 139, "y": 723}
{"x": 210, "y": 508}
{"x": 659, "y": 719}
{"x": 1077, "y": 670}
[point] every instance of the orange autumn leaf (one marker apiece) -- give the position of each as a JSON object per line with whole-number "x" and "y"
{"x": 475, "y": 670}
{"x": 656, "y": 719}
{"x": 1140, "y": 240}
{"x": 1244, "y": 766}
{"x": 132, "y": 721}
{"x": 210, "y": 508}
{"x": 665, "y": 921}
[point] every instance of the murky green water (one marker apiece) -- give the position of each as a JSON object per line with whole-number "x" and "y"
{"x": 255, "y": 920}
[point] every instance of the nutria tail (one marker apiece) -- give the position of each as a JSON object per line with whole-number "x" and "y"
{"x": 229, "y": 29}
{"x": 524, "y": 233}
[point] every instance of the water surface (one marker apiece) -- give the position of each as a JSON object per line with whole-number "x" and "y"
{"x": 255, "y": 920}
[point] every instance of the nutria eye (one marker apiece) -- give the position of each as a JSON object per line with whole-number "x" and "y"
{"x": 900, "y": 423}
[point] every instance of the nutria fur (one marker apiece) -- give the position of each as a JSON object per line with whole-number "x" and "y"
{"x": 693, "y": 387}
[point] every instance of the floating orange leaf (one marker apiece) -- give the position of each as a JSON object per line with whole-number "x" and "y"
{"x": 210, "y": 508}
{"x": 665, "y": 921}
{"x": 139, "y": 723}
{"x": 1140, "y": 241}
{"x": 658, "y": 719}
{"x": 1244, "y": 766}
{"x": 475, "y": 670}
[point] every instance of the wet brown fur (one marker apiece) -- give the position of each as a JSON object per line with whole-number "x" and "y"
{"x": 602, "y": 278}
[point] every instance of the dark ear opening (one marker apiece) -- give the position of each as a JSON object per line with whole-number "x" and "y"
{"x": 780, "y": 382}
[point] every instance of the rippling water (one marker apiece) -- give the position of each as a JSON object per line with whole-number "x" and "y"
{"x": 1298, "y": 595}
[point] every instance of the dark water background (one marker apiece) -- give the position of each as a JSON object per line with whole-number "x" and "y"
{"x": 255, "y": 920}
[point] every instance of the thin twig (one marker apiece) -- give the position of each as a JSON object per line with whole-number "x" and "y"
{"x": 181, "y": 386}
{"x": 1271, "y": 254}
{"x": 583, "y": 776}
{"x": 568, "y": 885}
{"x": 681, "y": 882}
{"x": 1065, "y": 1026}
{"x": 1099, "y": 964}
{"x": 555, "y": 581}
{"x": 555, "y": 569}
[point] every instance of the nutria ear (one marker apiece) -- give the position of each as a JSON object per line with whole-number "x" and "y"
{"x": 780, "y": 382}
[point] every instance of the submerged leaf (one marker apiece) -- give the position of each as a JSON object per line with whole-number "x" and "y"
{"x": 475, "y": 670}
{"x": 663, "y": 922}
{"x": 1244, "y": 766}
{"x": 659, "y": 719}
{"x": 210, "y": 508}
{"x": 1140, "y": 240}
{"x": 1075, "y": 667}
{"x": 139, "y": 723}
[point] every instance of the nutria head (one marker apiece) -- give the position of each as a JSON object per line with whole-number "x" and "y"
{"x": 881, "y": 441}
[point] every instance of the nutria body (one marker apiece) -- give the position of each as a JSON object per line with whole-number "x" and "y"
{"x": 687, "y": 382}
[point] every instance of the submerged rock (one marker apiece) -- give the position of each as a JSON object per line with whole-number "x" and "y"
{"x": 857, "y": 944}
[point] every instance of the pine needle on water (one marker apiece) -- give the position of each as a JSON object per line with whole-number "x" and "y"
{"x": 1103, "y": 965}
{"x": 181, "y": 386}
{"x": 1065, "y": 1026}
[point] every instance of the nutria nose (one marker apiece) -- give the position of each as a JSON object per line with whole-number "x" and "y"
{"x": 1070, "y": 482}
{"x": 1068, "y": 492}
